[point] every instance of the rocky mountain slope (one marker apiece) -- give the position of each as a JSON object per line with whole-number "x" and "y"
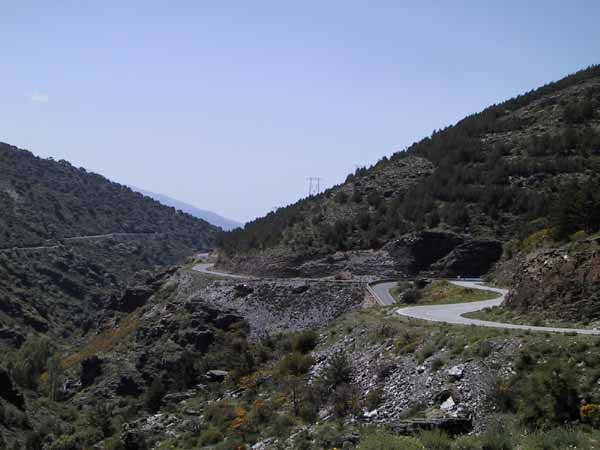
{"x": 204, "y": 362}
{"x": 43, "y": 199}
{"x": 107, "y": 348}
{"x": 178, "y": 333}
{"x": 495, "y": 175}
{"x": 70, "y": 240}
{"x": 559, "y": 282}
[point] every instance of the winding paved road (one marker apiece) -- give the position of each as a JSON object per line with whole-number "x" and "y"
{"x": 207, "y": 269}
{"x": 452, "y": 313}
{"x": 59, "y": 242}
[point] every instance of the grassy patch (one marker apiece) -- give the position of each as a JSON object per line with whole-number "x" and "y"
{"x": 443, "y": 292}
{"x": 505, "y": 315}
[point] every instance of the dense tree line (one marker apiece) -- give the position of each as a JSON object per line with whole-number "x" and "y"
{"x": 476, "y": 181}
{"x": 577, "y": 209}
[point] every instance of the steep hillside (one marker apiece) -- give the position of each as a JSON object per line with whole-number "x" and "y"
{"x": 209, "y": 216}
{"x": 71, "y": 240}
{"x": 493, "y": 175}
{"x": 43, "y": 199}
{"x": 209, "y": 363}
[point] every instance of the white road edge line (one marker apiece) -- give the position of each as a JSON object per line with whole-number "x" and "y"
{"x": 450, "y": 314}
{"x": 454, "y": 313}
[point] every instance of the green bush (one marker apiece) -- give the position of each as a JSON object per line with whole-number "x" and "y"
{"x": 219, "y": 414}
{"x": 543, "y": 395}
{"x": 437, "y": 364}
{"x": 374, "y": 398}
{"x": 261, "y": 412}
{"x": 101, "y": 416}
{"x": 309, "y": 411}
{"x": 555, "y": 439}
{"x": 114, "y": 443}
{"x": 34, "y": 440}
{"x": 483, "y": 349}
{"x": 15, "y": 418}
{"x": 341, "y": 197}
{"x": 210, "y": 436}
{"x": 386, "y": 441}
{"x": 30, "y": 362}
{"x": 83, "y": 438}
{"x": 154, "y": 396}
{"x": 295, "y": 364}
{"x": 338, "y": 370}
{"x": 435, "y": 440}
{"x": 346, "y": 400}
{"x": 548, "y": 396}
{"x": 305, "y": 341}
{"x": 427, "y": 351}
{"x": 493, "y": 439}
{"x": 282, "y": 424}
{"x": 356, "y": 196}
{"x": 411, "y": 296}
{"x": 502, "y": 395}
{"x": 303, "y": 441}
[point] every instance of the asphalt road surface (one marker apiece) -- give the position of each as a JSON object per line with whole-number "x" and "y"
{"x": 207, "y": 268}
{"x": 453, "y": 314}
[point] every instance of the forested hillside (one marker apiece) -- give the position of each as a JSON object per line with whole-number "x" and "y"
{"x": 72, "y": 241}
{"x": 505, "y": 172}
{"x": 43, "y": 199}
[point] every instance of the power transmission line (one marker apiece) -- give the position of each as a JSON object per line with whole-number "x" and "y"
{"x": 314, "y": 185}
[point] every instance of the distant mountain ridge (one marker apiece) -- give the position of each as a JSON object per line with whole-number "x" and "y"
{"x": 209, "y": 216}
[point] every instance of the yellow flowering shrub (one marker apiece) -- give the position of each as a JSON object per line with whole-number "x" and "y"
{"x": 590, "y": 413}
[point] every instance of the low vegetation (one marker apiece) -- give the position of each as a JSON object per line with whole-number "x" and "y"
{"x": 548, "y": 401}
{"x": 539, "y": 319}
{"x": 491, "y": 167}
{"x": 438, "y": 293}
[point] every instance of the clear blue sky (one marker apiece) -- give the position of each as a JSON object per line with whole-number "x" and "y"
{"x": 231, "y": 105}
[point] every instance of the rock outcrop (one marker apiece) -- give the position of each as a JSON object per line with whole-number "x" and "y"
{"x": 443, "y": 254}
{"x": 469, "y": 259}
{"x": 557, "y": 284}
{"x": 9, "y": 392}
{"x": 415, "y": 252}
{"x": 438, "y": 252}
{"x": 91, "y": 368}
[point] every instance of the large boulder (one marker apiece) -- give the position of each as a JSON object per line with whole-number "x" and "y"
{"x": 9, "y": 392}
{"x": 198, "y": 339}
{"x": 128, "y": 386}
{"x": 242, "y": 290}
{"x": 132, "y": 299}
{"x": 216, "y": 375}
{"x": 226, "y": 321}
{"x": 416, "y": 252}
{"x": 469, "y": 259}
{"x": 91, "y": 368}
{"x": 443, "y": 254}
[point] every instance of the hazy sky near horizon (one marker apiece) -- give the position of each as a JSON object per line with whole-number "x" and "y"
{"x": 230, "y": 105}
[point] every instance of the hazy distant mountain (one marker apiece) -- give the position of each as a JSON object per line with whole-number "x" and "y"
{"x": 209, "y": 216}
